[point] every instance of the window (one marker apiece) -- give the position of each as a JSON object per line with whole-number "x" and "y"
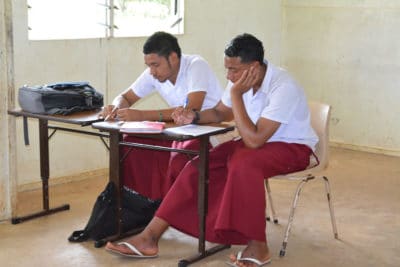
{"x": 75, "y": 19}
{"x": 142, "y": 18}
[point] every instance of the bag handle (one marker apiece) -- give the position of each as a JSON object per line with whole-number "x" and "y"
{"x": 68, "y": 85}
{"x": 26, "y": 134}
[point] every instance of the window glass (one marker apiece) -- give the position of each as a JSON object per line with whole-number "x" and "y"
{"x": 76, "y": 19}
{"x": 143, "y": 17}
{"x": 65, "y": 19}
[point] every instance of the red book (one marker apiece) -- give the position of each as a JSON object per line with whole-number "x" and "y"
{"x": 142, "y": 127}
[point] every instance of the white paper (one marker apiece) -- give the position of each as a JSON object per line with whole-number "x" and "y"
{"x": 192, "y": 129}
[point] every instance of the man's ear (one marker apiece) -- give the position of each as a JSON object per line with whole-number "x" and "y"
{"x": 173, "y": 57}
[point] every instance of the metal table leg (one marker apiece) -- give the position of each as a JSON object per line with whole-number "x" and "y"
{"x": 44, "y": 174}
{"x": 202, "y": 207}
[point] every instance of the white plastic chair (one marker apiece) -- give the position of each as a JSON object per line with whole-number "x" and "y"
{"x": 320, "y": 115}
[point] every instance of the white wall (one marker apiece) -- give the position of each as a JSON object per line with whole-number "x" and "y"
{"x": 347, "y": 53}
{"x": 112, "y": 65}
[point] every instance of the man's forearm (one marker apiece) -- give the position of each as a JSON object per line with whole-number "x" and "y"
{"x": 121, "y": 102}
{"x": 210, "y": 116}
{"x": 242, "y": 119}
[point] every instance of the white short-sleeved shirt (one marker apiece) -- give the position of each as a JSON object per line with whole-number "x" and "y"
{"x": 194, "y": 75}
{"x": 279, "y": 99}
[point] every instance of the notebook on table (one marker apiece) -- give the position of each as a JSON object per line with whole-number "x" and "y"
{"x": 142, "y": 127}
{"x": 192, "y": 129}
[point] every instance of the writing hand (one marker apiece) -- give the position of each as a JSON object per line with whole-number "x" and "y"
{"x": 108, "y": 112}
{"x": 182, "y": 116}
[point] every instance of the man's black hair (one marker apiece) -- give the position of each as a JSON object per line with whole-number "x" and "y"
{"x": 162, "y": 44}
{"x": 247, "y": 47}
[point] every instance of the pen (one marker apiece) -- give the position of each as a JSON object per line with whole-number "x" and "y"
{"x": 112, "y": 111}
{"x": 186, "y": 102}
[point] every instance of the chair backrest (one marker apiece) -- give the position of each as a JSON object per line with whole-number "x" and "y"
{"x": 320, "y": 117}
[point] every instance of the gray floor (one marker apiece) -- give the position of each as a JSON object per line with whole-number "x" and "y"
{"x": 365, "y": 189}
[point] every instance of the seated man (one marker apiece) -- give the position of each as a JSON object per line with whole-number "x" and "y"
{"x": 272, "y": 117}
{"x": 181, "y": 80}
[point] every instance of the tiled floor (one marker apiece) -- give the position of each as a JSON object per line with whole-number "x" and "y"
{"x": 366, "y": 195}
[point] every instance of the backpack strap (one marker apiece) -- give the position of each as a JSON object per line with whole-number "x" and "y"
{"x": 26, "y": 134}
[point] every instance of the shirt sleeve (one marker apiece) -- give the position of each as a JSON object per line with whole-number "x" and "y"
{"x": 144, "y": 84}
{"x": 198, "y": 76}
{"x": 282, "y": 103}
{"x": 226, "y": 97}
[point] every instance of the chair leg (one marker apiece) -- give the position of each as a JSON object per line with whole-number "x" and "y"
{"x": 328, "y": 195}
{"x": 291, "y": 215}
{"x": 271, "y": 204}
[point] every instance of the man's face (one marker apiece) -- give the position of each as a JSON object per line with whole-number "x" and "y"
{"x": 235, "y": 68}
{"x": 160, "y": 68}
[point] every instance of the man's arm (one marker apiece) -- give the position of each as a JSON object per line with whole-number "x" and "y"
{"x": 216, "y": 114}
{"x": 194, "y": 102}
{"x": 126, "y": 99}
{"x": 123, "y": 100}
{"x": 253, "y": 135}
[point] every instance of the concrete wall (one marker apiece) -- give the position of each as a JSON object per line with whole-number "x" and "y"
{"x": 7, "y": 124}
{"x": 347, "y": 53}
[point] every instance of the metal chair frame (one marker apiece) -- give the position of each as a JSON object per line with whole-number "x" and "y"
{"x": 320, "y": 115}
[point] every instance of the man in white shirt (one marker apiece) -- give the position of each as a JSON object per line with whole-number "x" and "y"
{"x": 272, "y": 117}
{"x": 182, "y": 81}
{"x": 179, "y": 79}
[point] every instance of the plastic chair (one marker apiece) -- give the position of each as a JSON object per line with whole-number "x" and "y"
{"x": 320, "y": 115}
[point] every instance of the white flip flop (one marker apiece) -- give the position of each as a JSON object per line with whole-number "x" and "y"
{"x": 255, "y": 261}
{"x": 136, "y": 253}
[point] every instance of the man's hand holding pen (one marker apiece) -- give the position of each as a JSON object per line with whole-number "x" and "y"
{"x": 109, "y": 112}
{"x": 113, "y": 113}
{"x": 183, "y": 115}
{"x": 118, "y": 109}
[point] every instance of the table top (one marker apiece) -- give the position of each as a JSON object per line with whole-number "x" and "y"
{"x": 85, "y": 118}
{"x": 111, "y": 126}
{"x": 81, "y": 118}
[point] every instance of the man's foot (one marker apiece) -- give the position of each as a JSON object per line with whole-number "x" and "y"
{"x": 255, "y": 254}
{"x": 138, "y": 246}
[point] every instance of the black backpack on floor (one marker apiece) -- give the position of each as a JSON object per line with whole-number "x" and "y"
{"x": 137, "y": 211}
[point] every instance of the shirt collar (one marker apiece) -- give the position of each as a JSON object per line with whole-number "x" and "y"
{"x": 182, "y": 69}
{"x": 265, "y": 85}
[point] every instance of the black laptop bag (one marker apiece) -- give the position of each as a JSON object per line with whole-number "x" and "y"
{"x": 59, "y": 98}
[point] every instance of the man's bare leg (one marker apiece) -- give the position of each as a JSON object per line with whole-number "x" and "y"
{"x": 146, "y": 241}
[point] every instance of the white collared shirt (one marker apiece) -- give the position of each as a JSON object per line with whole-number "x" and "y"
{"x": 194, "y": 75}
{"x": 279, "y": 99}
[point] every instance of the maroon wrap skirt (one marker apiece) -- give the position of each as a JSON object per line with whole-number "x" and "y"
{"x": 236, "y": 194}
{"x": 150, "y": 172}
